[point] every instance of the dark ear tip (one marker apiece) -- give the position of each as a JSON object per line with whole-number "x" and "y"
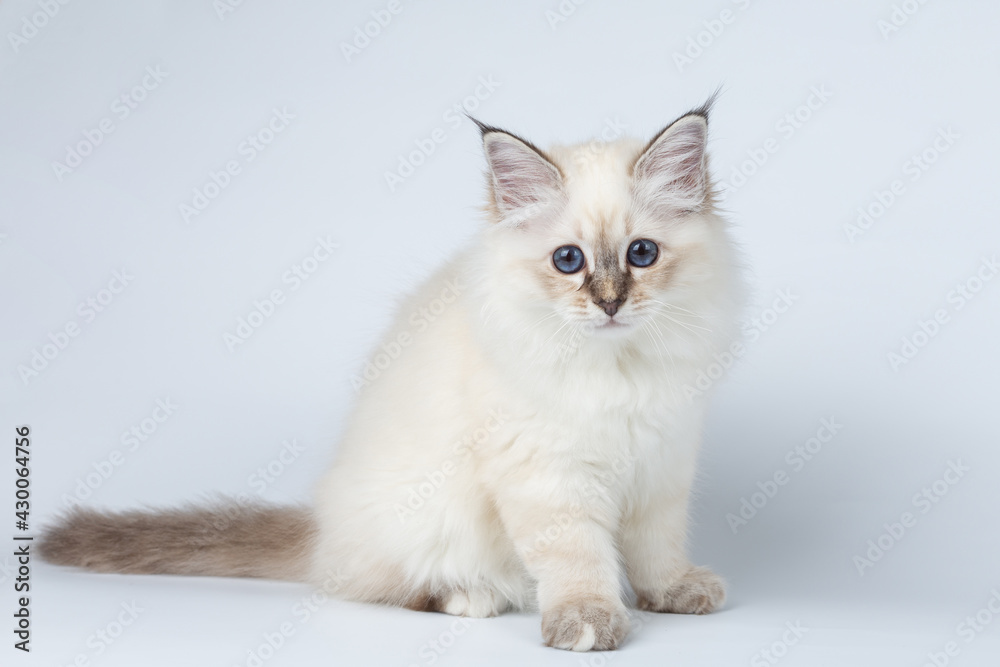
{"x": 705, "y": 110}
{"x": 487, "y": 130}
{"x": 484, "y": 129}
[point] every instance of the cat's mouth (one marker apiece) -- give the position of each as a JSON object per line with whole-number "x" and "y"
{"x": 613, "y": 325}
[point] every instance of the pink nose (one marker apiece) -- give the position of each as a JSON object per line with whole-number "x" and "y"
{"x": 610, "y": 307}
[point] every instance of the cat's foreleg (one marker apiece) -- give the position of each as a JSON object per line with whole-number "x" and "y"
{"x": 568, "y": 547}
{"x": 664, "y": 580}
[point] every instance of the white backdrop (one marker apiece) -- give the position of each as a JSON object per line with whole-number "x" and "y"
{"x": 164, "y": 166}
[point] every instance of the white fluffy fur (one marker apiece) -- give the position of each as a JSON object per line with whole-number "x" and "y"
{"x": 591, "y": 445}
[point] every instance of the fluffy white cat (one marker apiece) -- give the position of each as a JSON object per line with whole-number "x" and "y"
{"x": 535, "y": 441}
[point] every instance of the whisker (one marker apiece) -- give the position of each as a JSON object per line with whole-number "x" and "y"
{"x": 662, "y": 338}
{"x": 527, "y": 329}
{"x": 690, "y": 327}
{"x": 656, "y": 346}
{"x": 676, "y": 307}
{"x": 669, "y": 315}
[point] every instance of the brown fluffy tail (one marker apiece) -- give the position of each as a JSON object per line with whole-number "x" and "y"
{"x": 223, "y": 540}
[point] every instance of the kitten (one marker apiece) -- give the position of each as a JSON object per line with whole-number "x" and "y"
{"x": 534, "y": 440}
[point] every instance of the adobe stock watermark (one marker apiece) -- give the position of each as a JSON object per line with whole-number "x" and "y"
{"x": 121, "y": 108}
{"x": 612, "y": 129}
{"x": 365, "y": 33}
{"x": 433, "y": 649}
{"x": 957, "y": 298}
{"x": 223, "y": 8}
{"x": 701, "y": 41}
{"x": 796, "y": 459}
{"x": 562, "y": 12}
{"x": 259, "y": 480}
{"x": 132, "y": 440}
{"x": 786, "y": 127}
{"x": 968, "y": 630}
{"x": 596, "y": 489}
{"x": 462, "y": 450}
{"x": 295, "y": 277}
{"x": 105, "y": 637}
{"x": 752, "y": 329}
{"x": 57, "y": 341}
{"x": 419, "y": 321}
{"x": 302, "y": 612}
{"x": 779, "y": 648}
{"x": 35, "y": 22}
{"x": 577, "y": 336}
{"x": 898, "y": 17}
{"x": 247, "y": 151}
{"x": 268, "y": 474}
{"x": 923, "y": 502}
{"x": 914, "y": 167}
{"x": 454, "y": 116}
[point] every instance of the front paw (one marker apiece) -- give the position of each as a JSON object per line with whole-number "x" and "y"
{"x": 585, "y": 625}
{"x": 698, "y": 591}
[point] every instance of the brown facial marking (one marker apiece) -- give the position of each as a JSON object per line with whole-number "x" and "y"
{"x": 608, "y": 283}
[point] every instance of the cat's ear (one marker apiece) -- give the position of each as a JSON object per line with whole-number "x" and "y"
{"x": 524, "y": 183}
{"x": 672, "y": 172}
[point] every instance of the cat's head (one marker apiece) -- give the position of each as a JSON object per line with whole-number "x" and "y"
{"x": 610, "y": 238}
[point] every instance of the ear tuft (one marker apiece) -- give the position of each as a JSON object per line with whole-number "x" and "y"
{"x": 672, "y": 172}
{"x": 523, "y": 180}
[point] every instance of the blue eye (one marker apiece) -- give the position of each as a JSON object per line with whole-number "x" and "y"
{"x": 568, "y": 259}
{"x": 642, "y": 253}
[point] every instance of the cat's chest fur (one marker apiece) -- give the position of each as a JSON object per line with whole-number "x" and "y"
{"x": 616, "y": 420}
{"x": 597, "y": 385}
